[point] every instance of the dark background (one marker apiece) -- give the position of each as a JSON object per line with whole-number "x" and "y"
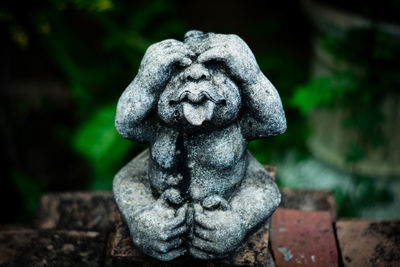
{"x": 65, "y": 63}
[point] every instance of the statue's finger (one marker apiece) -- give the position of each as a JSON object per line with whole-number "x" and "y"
{"x": 188, "y": 51}
{"x": 164, "y": 247}
{"x": 170, "y": 196}
{"x": 173, "y": 196}
{"x": 215, "y": 202}
{"x": 211, "y": 202}
{"x": 180, "y": 217}
{"x": 204, "y": 245}
{"x": 177, "y": 46}
{"x": 174, "y": 233}
{"x": 201, "y": 254}
{"x": 171, "y": 254}
{"x": 203, "y": 233}
{"x": 184, "y": 62}
{"x": 198, "y": 208}
{"x": 178, "y": 58}
{"x": 163, "y": 199}
{"x": 215, "y": 53}
{"x": 224, "y": 204}
{"x": 203, "y": 221}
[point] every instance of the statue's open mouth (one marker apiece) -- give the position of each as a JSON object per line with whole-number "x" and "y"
{"x": 198, "y": 108}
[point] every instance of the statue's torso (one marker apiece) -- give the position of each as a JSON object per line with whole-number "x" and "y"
{"x": 215, "y": 163}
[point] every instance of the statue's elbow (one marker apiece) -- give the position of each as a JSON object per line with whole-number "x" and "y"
{"x": 277, "y": 125}
{"x": 123, "y": 129}
{"x": 281, "y": 125}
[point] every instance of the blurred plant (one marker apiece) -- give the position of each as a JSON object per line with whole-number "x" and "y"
{"x": 371, "y": 74}
{"x": 30, "y": 191}
{"x": 361, "y": 68}
{"x": 95, "y": 47}
{"x": 277, "y": 64}
{"x": 365, "y": 195}
{"x": 98, "y": 141}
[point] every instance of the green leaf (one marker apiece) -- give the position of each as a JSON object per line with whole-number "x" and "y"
{"x": 98, "y": 141}
{"x": 30, "y": 191}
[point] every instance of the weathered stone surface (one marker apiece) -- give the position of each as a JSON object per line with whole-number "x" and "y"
{"x": 51, "y": 248}
{"x": 303, "y": 238}
{"x": 94, "y": 211}
{"x": 253, "y": 252}
{"x": 308, "y": 200}
{"x": 197, "y": 190}
{"x": 369, "y": 242}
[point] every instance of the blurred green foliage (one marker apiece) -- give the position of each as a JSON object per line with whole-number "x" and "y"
{"x": 98, "y": 72}
{"x": 30, "y": 191}
{"x": 366, "y": 194}
{"x": 277, "y": 65}
{"x": 95, "y": 48}
{"x": 101, "y": 145}
{"x": 366, "y": 72}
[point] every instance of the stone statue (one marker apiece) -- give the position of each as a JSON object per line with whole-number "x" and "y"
{"x": 197, "y": 190}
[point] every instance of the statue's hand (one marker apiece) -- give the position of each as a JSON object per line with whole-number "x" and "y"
{"x": 234, "y": 53}
{"x": 159, "y": 62}
{"x": 159, "y": 230}
{"x": 217, "y": 232}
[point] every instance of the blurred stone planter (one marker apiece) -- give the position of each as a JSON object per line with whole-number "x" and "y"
{"x": 330, "y": 140}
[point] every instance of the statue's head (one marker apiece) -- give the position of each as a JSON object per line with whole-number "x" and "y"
{"x": 201, "y": 95}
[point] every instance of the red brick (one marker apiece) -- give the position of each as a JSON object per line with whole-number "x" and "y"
{"x": 303, "y": 238}
{"x": 307, "y": 200}
{"x": 369, "y": 242}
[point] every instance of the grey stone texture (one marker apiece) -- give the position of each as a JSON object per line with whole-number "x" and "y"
{"x": 82, "y": 211}
{"x": 197, "y": 190}
{"x": 69, "y": 248}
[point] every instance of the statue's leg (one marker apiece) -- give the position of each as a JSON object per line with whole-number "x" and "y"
{"x": 155, "y": 227}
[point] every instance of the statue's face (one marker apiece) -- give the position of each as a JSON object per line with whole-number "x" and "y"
{"x": 200, "y": 97}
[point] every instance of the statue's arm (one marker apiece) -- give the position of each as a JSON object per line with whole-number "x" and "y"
{"x": 263, "y": 114}
{"x": 140, "y": 97}
{"x": 133, "y": 107}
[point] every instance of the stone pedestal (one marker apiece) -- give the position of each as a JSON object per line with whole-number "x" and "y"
{"x": 94, "y": 211}
{"x": 253, "y": 252}
{"x": 303, "y": 238}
